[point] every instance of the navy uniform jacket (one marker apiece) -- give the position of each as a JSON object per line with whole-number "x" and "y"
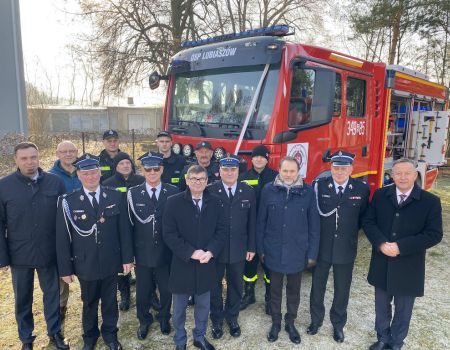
{"x": 106, "y": 165}
{"x": 149, "y": 247}
{"x": 241, "y": 221}
{"x": 95, "y": 256}
{"x": 212, "y": 170}
{"x": 415, "y": 226}
{"x": 258, "y": 180}
{"x": 184, "y": 231}
{"x": 27, "y": 219}
{"x": 173, "y": 166}
{"x": 339, "y": 246}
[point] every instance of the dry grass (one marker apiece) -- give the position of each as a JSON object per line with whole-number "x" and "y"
{"x": 430, "y": 326}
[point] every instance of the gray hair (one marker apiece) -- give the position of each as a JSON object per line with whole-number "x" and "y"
{"x": 404, "y": 160}
{"x": 289, "y": 159}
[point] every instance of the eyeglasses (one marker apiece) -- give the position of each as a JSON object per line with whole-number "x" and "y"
{"x": 152, "y": 170}
{"x": 199, "y": 180}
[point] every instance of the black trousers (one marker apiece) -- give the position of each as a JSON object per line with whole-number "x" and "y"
{"x": 342, "y": 275}
{"x": 292, "y": 295}
{"x": 23, "y": 285}
{"x": 145, "y": 285}
{"x": 234, "y": 293}
{"x": 392, "y": 330}
{"x": 104, "y": 290}
{"x": 251, "y": 270}
{"x": 123, "y": 284}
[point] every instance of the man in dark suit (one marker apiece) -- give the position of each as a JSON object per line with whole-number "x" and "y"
{"x": 146, "y": 203}
{"x": 28, "y": 200}
{"x": 341, "y": 201}
{"x": 193, "y": 228}
{"x": 402, "y": 222}
{"x": 239, "y": 208}
{"x": 94, "y": 243}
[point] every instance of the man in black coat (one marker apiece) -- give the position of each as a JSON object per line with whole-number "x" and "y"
{"x": 203, "y": 155}
{"x": 341, "y": 201}
{"x": 28, "y": 200}
{"x": 146, "y": 204}
{"x": 195, "y": 231}
{"x": 106, "y": 156}
{"x": 94, "y": 243}
{"x": 258, "y": 176}
{"x": 239, "y": 208}
{"x": 402, "y": 222}
{"x": 124, "y": 177}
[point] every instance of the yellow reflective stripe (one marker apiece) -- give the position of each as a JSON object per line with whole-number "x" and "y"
{"x": 175, "y": 180}
{"x": 266, "y": 279}
{"x": 121, "y": 189}
{"x": 251, "y": 182}
{"x": 105, "y": 168}
{"x": 250, "y": 279}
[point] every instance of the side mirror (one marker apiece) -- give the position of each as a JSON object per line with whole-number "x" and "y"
{"x": 153, "y": 80}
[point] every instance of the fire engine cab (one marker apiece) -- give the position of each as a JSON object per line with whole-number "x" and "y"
{"x": 244, "y": 89}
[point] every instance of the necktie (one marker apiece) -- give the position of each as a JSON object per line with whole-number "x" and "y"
{"x": 153, "y": 197}
{"x": 402, "y": 198}
{"x": 94, "y": 202}
{"x": 230, "y": 194}
{"x": 340, "y": 192}
{"x": 196, "y": 204}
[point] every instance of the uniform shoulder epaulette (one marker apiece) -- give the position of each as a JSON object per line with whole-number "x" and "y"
{"x": 133, "y": 187}
{"x": 245, "y": 184}
{"x": 68, "y": 194}
{"x": 110, "y": 188}
{"x": 168, "y": 186}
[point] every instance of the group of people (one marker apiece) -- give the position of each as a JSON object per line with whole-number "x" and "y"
{"x": 183, "y": 228}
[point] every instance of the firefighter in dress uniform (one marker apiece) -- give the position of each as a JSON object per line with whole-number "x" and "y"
{"x": 239, "y": 206}
{"x": 146, "y": 204}
{"x": 341, "y": 201}
{"x": 258, "y": 176}
{"x": 94, "y": 243}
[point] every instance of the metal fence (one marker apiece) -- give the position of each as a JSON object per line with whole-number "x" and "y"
{"x": 134, "y": 142}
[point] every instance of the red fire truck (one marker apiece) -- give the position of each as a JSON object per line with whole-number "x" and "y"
{"x": 255, "y": 87}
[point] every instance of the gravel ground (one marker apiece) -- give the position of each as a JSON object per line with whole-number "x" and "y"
{"x": 430, "y": 325}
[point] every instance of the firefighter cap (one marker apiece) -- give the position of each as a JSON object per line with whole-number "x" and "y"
{"x": 152, "y": 160}
{"x": 87, "y": 162}
{"x": 203, "y": 144}
{"x": 231, "y": 161}
{"x": 110, "y": 133}
{"x": 342, "y": 158}
{"x": 164, "y": 133}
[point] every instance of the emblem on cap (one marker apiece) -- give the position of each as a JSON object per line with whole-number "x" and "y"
{"x": 340, "y": 153}
{"x": 110, "y": 132}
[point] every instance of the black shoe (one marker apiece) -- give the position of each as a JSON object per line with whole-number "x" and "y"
{"x": 191, "y": 300}
{"x": 294, "y": 336}
{"x": 27, "y": 346}
{"x": 204, "y": 344}
{"x": 312, "y": 329}
{"x": 164, "y": 325}
{"x": 338, "y": 335}
{"x": 235, "y": 329}
{"x": 143, "y": 331}
{"x": 180, "y": 347}
{"x": 273, "y": 333}
{"x": 395, "y": 347}
{"x": 115, "y": 345}
{"x": 156, "y": 305}
{"x": 249, "y": 295}
{"x": 59, "y": 342}
{"x": 217, "y": 331}
{"x": 379, "y": 345}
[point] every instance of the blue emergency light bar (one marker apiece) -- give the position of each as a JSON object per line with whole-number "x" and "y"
{"x": 275, "y": 30}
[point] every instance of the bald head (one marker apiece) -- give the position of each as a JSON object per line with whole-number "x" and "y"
{"x": 67, "y": 153}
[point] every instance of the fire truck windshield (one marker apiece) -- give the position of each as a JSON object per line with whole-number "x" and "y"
{"x": 214, "y": 103}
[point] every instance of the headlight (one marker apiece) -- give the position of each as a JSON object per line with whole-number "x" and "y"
{"x": 188, "y": 150}
{"x": 176, "y": 148}
{"x": 219, "y": 153}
